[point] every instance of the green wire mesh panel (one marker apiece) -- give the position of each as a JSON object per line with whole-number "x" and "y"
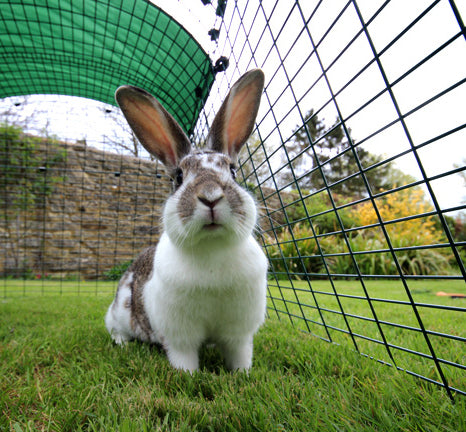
{"x": 89, "y": 48}
{"x": 358, "y": 166}
{"x": 357, "y": 161}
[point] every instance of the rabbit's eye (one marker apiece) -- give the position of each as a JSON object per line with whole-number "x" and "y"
{"x": 233, "y": 172}
{"x": 178, "y": 177}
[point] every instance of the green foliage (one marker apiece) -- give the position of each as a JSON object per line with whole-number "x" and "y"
{"x": 116, "y": 272}
{"x": 373, "y": 262}
{"x": 23, "y": 272}
{"x": 319, "y": 208}
{"x": 458, "y": 229}
{"x": 25, "y": 177}
{"x": 296, "y": 253}
{"x": 299, "y": 250}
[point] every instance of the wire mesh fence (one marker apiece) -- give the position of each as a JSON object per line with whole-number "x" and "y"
{"x": 357, "y": 164}
{"x": 352, "y": 161}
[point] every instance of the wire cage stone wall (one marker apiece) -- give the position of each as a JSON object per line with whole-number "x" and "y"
{"x": 74, "y": 211}
{"x": 357, "y": 164}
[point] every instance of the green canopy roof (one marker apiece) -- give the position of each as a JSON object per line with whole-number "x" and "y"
{"x": 89, "y": 48}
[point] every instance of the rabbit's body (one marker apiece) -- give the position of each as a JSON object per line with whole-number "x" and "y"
{"x": 205, "y": 281}
{"x": 214, "y": 296}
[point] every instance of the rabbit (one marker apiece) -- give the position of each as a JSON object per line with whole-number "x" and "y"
{"x": 205, "y": 280}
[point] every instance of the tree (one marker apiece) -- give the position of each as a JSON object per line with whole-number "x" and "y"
{"x": 123, "y": 138}
{"x": 10, "y": 111}
{"x": 43, "y": 116}
{"x": 462, "y": 174}
{"x": 320, "y": 155}
{"x": 253, "y": 164}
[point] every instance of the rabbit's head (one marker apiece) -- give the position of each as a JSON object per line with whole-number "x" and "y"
{"x": 207, "y": 203}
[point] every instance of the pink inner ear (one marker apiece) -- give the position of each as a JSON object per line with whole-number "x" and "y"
{"x": 158, "y": 131}
{"x": 151, "y": 131}
{"x": 239, "y": 121}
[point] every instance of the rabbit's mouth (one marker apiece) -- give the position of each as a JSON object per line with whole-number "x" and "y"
{"x": 212, "y": 226}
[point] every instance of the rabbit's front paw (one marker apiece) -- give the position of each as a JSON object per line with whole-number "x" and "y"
{"x": 184, "y": 360}
{"x": 238, "y": 354}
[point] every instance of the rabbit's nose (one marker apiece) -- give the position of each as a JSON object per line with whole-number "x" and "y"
{"x": 209, "y": 202}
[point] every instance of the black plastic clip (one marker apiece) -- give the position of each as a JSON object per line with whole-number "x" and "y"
{"x": 221, "y": 6}
{"x": 214, "y": 34}
{"x": 221, "y": 64}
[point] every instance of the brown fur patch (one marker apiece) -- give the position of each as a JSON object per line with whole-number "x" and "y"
{"x": 190, "y": 163}
{"x": 193, "y": 161}
{"x": 234, "y": 199}
{"x": 187, "y": 202}
{"x": 141, "y": 269}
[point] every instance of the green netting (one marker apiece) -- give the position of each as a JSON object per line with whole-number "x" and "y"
{"x": 89, "y": 48}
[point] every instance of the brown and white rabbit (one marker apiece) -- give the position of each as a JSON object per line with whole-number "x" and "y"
{"x": 205, "y": 280}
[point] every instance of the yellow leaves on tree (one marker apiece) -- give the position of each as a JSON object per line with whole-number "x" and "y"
{"x": 411, "y": 229}
{"x": 404, "y": 214}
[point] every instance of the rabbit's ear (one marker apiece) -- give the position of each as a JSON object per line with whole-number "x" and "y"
{"x": 235, "y": 120}
{"x": 153, "y": 125}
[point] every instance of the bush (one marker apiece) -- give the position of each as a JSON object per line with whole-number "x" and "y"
{"x": 23, "y": 164}
{"x": 422, "y": 232}
{"x": 284, "y": 255}
{"x": 314, "y": 205}
{"x": 117, "y": 271}
{"x": 372, "y": 261}
{"x": 373, "y": 257}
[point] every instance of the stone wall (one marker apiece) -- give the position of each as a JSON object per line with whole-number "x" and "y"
{"x": 101, "y": 210}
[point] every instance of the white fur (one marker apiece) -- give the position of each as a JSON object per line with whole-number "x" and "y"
{"x": 215, "y": 295}
{"x": 118, "y": 317}
{"x": 118, "y": 320}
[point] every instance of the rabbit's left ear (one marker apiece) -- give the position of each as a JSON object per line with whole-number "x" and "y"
{"x": 155, "y": 128}
{"x": 235, "y": 120}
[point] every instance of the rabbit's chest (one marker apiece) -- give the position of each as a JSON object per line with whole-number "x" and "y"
{"x": 207, "y": 299}
{"x": 208, "y": 293}
{"x": 212, "y": 314}
{"x": 234, "y": 267}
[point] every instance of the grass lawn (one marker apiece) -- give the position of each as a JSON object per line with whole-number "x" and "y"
{"x": 60, "y": 372}
{"x": 397, "y": 323}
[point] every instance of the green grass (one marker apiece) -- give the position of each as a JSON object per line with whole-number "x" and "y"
{"x": 360, "y": 320}
{"x": 60, "y": 372}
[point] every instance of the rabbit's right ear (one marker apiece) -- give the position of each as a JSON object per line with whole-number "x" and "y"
{"x": 153, "y": 125}
{"x": 235, "y": 120}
